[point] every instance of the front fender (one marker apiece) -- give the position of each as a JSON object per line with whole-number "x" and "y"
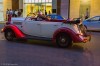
{"x": 75, "y": 38}
{"x": 15, "y": 29}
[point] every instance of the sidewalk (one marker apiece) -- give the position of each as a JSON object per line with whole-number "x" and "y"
{"x": 2, "y": 22}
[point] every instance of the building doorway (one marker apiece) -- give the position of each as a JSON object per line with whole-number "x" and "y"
{"x": 34, "y": 6}
{"x": 85, "y": 9}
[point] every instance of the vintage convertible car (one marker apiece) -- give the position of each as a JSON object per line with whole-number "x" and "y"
{"x": 61, "y": 32}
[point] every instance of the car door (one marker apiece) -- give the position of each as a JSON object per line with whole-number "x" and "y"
{"x": 93, "y": 23}
{"x": 31, "y": 28}
{"x": 48, "y": 28}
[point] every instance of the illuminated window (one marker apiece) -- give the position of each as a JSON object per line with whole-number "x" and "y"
{"x": 26, "y": 1}
{"x": 33, "y": 1}
{"x": 36, "y": 1}
{"x": 50, "y": 0}
{"x": 47, "y": 0}
{"x": 36, "y": 5}
{"x": 39, "y": 1}
{"x": 43, "y": 1}
{"x": 30, "y": 1}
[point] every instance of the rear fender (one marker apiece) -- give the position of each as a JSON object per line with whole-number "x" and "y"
{"x": 75, "y": 38}
{"x": 16, "y": 30}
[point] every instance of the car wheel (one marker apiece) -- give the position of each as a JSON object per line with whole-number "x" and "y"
{"x": 9, "y": 35}
{"x": 63, "y": 40}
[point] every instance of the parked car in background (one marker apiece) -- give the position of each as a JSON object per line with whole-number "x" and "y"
{"x": 92, "y": 23}
{"x": 54, "y": 16}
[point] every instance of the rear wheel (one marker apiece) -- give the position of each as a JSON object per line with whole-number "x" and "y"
{"x": 63, "y": 40}
{"x": 9, "y": 35}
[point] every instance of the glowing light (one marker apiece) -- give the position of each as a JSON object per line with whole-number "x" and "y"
{"x": 85, "y": 1}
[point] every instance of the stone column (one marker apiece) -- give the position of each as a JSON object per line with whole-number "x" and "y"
{"x": 1, "y": 11}
{"x": 20, "y": 4}
{"x": 54, "y": 6}
{"x": 65, "y": 8}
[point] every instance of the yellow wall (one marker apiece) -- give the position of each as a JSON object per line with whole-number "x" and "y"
{"x": 7, "y": 4}
{"x": 74, "y": 8}
{"x": 95, "y": 7}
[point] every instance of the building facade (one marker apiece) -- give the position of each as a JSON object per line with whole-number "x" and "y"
{"x": 50, "y": 6}
{"x": 7, "y": 4}
{"x": 66, "y": 8}
{"x": 78, "y": 8}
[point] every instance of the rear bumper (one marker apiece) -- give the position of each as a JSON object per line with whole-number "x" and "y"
{"x": 86, "y": 38}
{"x": 81, "y": 38}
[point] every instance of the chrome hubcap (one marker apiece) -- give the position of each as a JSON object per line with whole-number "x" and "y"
{"x": 9, "y": 35}
{"x": 63, "y": 40}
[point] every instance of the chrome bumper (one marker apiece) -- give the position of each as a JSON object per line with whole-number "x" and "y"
{"x": 87, "y": 38}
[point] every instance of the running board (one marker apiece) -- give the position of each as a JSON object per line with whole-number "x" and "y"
{"x": 38, "y": 38}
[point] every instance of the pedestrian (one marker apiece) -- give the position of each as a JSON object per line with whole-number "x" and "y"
{"x": 11, "y": 12}
{"x": 7, "y": 13}
{"x": 87, "y": 14}
{"x": 16, "y": 13}
{"x": 49, "y": 12}
{"x": 10, "y": 15}
{"x": 19, "y": 13}
{"x": 45, "y": 12}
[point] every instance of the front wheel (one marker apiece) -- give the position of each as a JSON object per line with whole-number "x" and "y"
{"x": 9, "y": 35}
{"x": 63, "y": 40}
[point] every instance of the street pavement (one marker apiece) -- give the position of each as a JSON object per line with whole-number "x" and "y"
{"x": 39, "y": 53}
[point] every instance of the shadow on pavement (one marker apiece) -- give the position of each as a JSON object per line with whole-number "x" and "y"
{"x": 77, "y": 47}
{"x": 74, "y": 47}
{"x": 36, "y": 42}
